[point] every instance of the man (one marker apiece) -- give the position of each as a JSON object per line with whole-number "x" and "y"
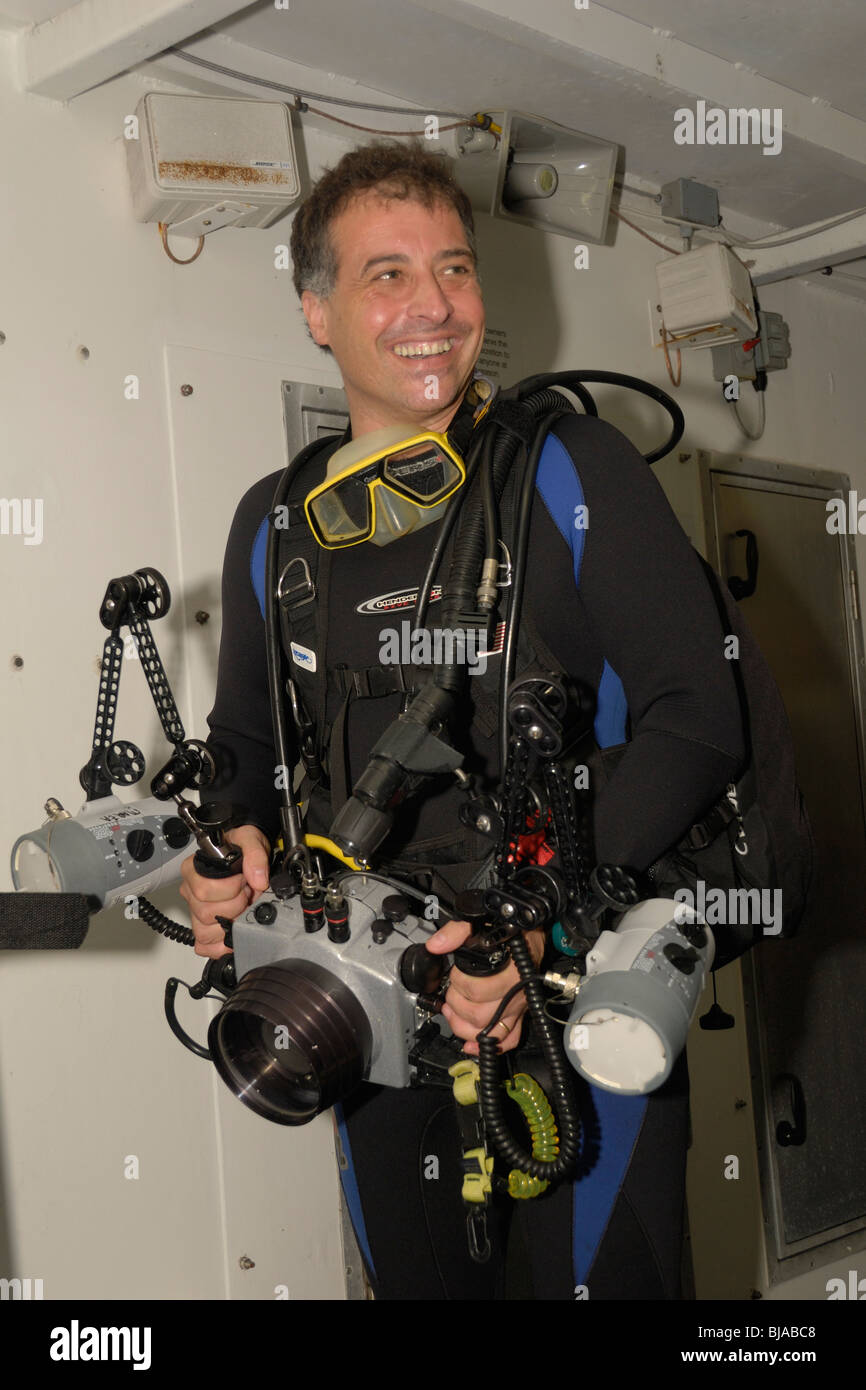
{"x": 386, "y": 269}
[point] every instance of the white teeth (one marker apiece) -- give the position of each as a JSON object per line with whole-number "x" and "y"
{"x": 425, "y": 349}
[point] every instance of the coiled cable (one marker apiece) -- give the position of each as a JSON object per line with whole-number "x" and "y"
{"x": 563, "y": 1099}
{"x": 151, "y": 914}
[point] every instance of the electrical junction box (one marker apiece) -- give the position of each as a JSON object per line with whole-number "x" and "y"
{"x": 686, "y": 200}
{"x": 201, "y": 163}
{"x": 769, "y": 354}
{"x": 733, "y": 360}
{"x": 774, "y": 346}
{"x": 705, "y": 298}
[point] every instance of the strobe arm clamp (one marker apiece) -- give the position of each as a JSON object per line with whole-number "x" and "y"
{"x": 613, "y": 888}
{"x": 530, "y": 900}
{"x": 192, "y": 765}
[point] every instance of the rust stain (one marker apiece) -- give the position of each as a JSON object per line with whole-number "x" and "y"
{"x": 199, "y": 171}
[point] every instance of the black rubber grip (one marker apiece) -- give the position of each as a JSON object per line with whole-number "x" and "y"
{"x": 215, "y": 868}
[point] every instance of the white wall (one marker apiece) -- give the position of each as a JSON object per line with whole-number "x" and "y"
{"x": 89, "y": 1072}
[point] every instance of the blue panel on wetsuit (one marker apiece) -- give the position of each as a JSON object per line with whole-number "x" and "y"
{"x": 352, "y": 1193}
{"x": 611, "y": 709}
{"x": 618, "y": 1120}
{"x": 257, "y": 564}
{"x": 558, "y": 482}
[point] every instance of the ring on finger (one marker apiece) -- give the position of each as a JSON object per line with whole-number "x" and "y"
{"x": 506, "y": 1026}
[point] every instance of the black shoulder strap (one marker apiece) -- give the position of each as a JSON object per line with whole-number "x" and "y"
{"x": 302, "y": 583}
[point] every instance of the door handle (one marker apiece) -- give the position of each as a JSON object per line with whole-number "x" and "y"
{"x": 744, "y": 588}
{"x": 788, "y": 1133}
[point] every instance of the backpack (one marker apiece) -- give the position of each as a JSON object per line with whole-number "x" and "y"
{"x": 758, "y": 836}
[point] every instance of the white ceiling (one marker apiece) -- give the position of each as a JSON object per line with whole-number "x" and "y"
{"x": 617, "y": 70}
{"x": 812, "y": 46}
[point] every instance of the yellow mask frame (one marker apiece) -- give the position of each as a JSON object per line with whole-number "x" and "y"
{"x": 378, "y": 484}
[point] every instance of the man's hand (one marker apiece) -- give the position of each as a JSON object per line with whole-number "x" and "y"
{"x": 209, "y": 898}
{"x": 471, "y": 1002}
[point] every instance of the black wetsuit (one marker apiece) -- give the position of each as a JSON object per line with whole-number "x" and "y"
{"x": 619, "y": 597}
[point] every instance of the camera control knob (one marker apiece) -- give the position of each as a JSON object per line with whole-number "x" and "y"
{"x": 381, "y": 930}
{"x": 420, "y": 972}
{"x": 395, "y": 907}
{"x": 683, "y": 958}
{"x": 469, "y": 906}
{"x": 266, "y": 913}
{"x": 176, "y": 834}
{"x": 139, "y": 844}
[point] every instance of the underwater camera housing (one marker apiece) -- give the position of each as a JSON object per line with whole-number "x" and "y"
{"x": 332, "y": 987}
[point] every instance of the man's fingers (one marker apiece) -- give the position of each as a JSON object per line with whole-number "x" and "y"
{"x": 256, "y": 861}
{"x": 473, "y": 1016}
{"x": 212, "y": 890}
{"x": 449, "y": 937}
{"x": 220, "y": 905}
{"x": 212, "y": 898}
{"x": 213, "y": 950}
{"x": 506, "y": 1032}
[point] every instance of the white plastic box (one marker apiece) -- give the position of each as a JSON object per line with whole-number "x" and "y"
{"x": 200, "y": 163}
{"x": 706, "y": 297}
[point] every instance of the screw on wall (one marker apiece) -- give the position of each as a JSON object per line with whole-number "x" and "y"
{"x": 2, "y": 338}
{"x": 18, "y": 662}
{"x": 202, "y": 617}
{"x": 246, "y": 1263}
{"x": 83, "y": 353}
{"x": 186, "y": 389}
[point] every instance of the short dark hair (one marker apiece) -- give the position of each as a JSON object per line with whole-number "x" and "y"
{"x": 395, "y": 170}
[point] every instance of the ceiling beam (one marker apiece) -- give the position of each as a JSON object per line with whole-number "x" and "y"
{"x": 675, "y": 67}
{"x": 834, "y": 247}
{"x": 96, "y": 40}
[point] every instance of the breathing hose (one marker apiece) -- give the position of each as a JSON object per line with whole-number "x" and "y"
{"x": 473, "y": 463}
{"x": 572, "y": 381}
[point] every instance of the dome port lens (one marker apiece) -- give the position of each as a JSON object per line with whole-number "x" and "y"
{"x": 291, "y": 1041}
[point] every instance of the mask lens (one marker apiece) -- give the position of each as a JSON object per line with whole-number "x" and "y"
{"x": 423, "y": 472}
{"x": 343, "y": 513}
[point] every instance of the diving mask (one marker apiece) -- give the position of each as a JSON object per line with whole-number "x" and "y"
{"x": 382, "y": 486}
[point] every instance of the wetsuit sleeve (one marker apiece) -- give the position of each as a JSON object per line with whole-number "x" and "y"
{"x": 648, "y": 605}
{"x": 241, "y": 734}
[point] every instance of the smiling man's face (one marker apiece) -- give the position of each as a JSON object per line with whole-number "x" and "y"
{"x": 405, "y": 321}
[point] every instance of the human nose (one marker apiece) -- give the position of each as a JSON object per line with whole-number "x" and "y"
{"x": 428, "y": 299}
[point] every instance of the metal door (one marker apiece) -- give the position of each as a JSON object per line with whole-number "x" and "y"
{"x": 806, "y": 998}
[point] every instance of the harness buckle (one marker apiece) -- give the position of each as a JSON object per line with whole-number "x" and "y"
{"x": 306, "y": 734}
{"x": 301, "y": 592}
